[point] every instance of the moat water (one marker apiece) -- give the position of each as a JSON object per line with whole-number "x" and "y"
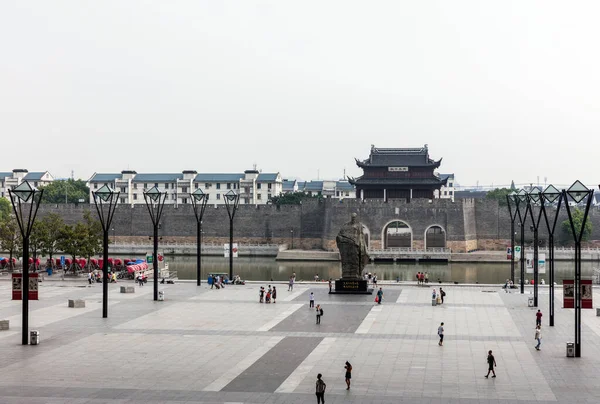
{"x": 265, "y": 268}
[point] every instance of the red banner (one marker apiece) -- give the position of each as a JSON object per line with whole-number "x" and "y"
{"x": 17, "y": 286}
{"x": 569, "y": 294}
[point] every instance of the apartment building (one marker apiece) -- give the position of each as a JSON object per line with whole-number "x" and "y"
{"x": 9, "y": 180}
{"x": 253, "y": 186}
{"x": 446, "y": 191}
{"x": 328, "y": 189}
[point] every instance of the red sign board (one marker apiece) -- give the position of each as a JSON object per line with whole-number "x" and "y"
{"x": 569, "y": 294}
{"x": 17, "y": 286}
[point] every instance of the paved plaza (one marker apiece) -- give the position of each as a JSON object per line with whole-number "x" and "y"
{"x": 222, "y": 346}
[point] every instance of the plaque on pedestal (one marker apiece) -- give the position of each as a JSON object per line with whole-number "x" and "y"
{"x": 352, "y": 286}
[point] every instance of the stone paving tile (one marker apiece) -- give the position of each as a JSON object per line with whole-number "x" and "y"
{"x": 170, "y": 351}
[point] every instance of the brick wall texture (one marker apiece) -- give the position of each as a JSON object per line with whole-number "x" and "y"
{"x": 468, "y": 224}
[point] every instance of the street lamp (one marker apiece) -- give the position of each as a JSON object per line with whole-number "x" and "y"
{"x": 25, "y": 200}
{"x": 513, "y": 215}
{"x": 155, "y": 201}
{"x": 105, "y": 200}
{"x": 522, "y": 210}
{"x": 533, "y": 199}
{"x": 292, "y": 233}
{"x": 199, "y": 200}
{"x": 551, "y": 195}
{"x": 232, "y": 201}
{"x": 578, "y": 192}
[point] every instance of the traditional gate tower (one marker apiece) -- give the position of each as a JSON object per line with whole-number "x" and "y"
{"x": 397, "y": 174}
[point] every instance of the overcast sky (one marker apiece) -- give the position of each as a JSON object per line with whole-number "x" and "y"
{"x": 503, "y": 90}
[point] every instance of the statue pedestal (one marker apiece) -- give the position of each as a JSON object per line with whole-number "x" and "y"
{"x": 352, "y": 287}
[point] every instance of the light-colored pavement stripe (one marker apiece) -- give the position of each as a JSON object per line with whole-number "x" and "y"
{"x": 280, "y": 317}
{"x": 293, "y": 381}
{"x": 58, "y": 312}
{"x": 295, "y": 294}
{"x": 5, "y": 334}
{"x": 238, "y": 369}
{"x": 402, "y": 298}
{"x": 367, "y": 323}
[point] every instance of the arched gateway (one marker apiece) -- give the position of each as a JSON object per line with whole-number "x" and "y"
{"x": 435, "y": 237}
{"x": 397, "y": 234}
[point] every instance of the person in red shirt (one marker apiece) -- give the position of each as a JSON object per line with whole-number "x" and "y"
{"x": 538, "y": 318}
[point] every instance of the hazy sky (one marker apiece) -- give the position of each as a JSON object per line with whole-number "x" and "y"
{"x": 501, "y": 90}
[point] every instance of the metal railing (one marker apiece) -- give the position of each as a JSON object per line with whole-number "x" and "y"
{"x": 407, "y": 250}
{"x": 566, "y": 249}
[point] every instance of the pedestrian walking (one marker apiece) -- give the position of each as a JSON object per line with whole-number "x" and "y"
{"x": 538, "y": 336}
{"x": 538, "y": 318}
{"x": 320, "y": 389}
{"x": 491, "y": 364}
{"x": 442, "y": 294}
{"x": 421, "y": 278}
{"x": 140, "y": 279}
{"x": 214, "y": 280}
{"x": 379, "y": 296}
{"x": 348, "y": 368}
{"x": 319, "y": 311}
{"x": 417, "y": 276}
{"x": 90, "y": 277}
{"x": 274, "y": 294}
{"x": 329, "y": 285}
{"x": 261, "y": 294}
{"x": 441, "y": 334}
{"x": 375, "y": 280}
{"x": 427, "y": 277}
{"x": 311, "y": 300}
{"x": 268, "y": 296}
{"x": 291, "y": 284}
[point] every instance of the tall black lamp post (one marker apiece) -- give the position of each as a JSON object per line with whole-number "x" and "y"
{"x": 199, "y": 200}
{"x": 232, "y": 201}
{"x": 512, "y": 211}
{"x": 105, "y": 200}
{"x": 578, "y": 192}
{"x": 155, "y": 201}
{"x": 533, "y": 199}
{"x": 551, "y": 195}
{"x": 522, "y": 210}
{"x": 292, "y": 233}
{"x": 25, "y": 200}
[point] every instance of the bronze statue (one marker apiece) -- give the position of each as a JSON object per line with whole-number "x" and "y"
{"x": 353, "y": 249}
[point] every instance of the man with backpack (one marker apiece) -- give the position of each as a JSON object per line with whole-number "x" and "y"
{"x": 442, "y": 294}
{"x": 319, "y": 313}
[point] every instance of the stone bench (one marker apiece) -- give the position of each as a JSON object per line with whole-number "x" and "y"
{"x": 127, "y": 289}
{"x": 77, "y": 304}
{"x": 4, "y": 325}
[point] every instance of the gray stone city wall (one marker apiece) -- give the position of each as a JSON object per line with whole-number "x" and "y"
{"x": 469, "y": 224}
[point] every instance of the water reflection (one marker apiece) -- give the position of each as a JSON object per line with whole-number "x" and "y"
{"x": 262, "y": 268}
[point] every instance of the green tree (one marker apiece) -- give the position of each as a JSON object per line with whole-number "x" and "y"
{"x": 10, "y": 238}
{"x": 292, "y": 198}
{"x": 499, "y": 194}
{"x": 577, "y": 216}
{"x": 70, "y": 190}
{"x": 83, "y": 239}
{"x": 48, "y": 230}
{"x": 93, "y": 241}
{"x": 5, "y": 209}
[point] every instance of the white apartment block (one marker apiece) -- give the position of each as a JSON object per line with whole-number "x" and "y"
{"x": 446, "y": 191}
{"x": 9, "y": 180}
{"x": 325, "y": 188}
{"x": 254, "y": 187}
